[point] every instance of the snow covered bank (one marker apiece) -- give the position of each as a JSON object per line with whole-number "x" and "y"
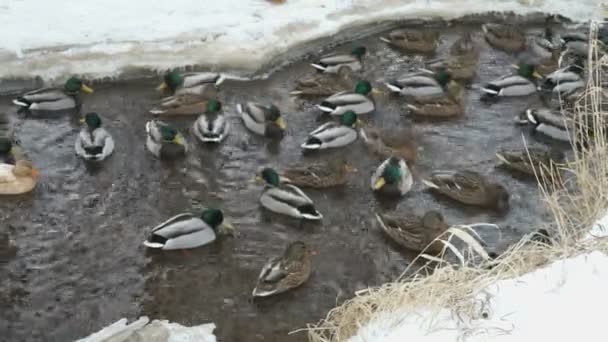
{"x": 560, "y": 302}
{"x": 115, "y": 37}
{"x": 155, "y": 331}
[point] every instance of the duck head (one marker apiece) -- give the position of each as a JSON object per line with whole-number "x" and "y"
{"x": 172, "y": 80}
{"x": 270, "y": 176}
{"x": 92, "y": 120}
{"x": 391, "y": 175}
{"x": 74, "y": 85}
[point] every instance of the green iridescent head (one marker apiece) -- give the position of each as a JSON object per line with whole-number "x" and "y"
{"x": 392, "y": 172}
{"x": 214, "y": 106}
{"x": 358, "y": 51}
{"x": 270, "y": 176}
{"x": 528, "y": 71}
{"x": 173, "y": 80}
{"x": 363, "y": 87}
{"x": 92, "y": 120}
{"x": 73, "y": 85}
{"x": 213, "y": 217}
{"x": 348, "y": 119}
{"x": 5, "y": 145}
{"x": 168, "y": 133}
{"x": 443, "y": 77}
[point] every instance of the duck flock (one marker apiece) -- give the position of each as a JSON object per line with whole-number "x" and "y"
{"x": 434, "y": 91}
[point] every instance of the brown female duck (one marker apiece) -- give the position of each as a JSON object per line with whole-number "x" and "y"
{"x": 415, "y": 232}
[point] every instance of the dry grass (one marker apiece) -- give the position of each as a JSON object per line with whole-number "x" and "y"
{"x": 575, "y": 195}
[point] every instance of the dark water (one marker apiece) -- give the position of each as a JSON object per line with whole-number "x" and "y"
{"x": 81, "y": 265}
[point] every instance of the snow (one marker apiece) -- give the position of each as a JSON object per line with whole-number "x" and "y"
{"x": 560, "y": 302}
{"x": 155, "y": 331}
{"x": 96, "y": 39}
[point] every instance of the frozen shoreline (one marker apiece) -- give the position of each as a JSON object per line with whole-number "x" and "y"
{"x": 231, "y": 35}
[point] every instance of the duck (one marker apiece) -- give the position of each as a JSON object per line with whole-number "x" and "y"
{"x": 392, "y": 177}
{"x": 461, "y": 64}
{"x": 419, "y": 86}
{"x": 358, "y": 101}
{"x": 189, "y": 230}
{"x": 415, "y": 41}
{"x": 212, "y": 126}
{"x": 185, "y": 104}
{"x": 197, "y": 83}
{"x": 469, "y": 187}
{"x": 6, "y": 151}
{"x": 332, "y": 134}
{"x": 331, "y": 63}
{"x": 93, "y": 143}
{"x": 264, "y": 120}
{"x": 528, "y": 161}
{"x": 318, "y": 175}
{"x": 504, "y": 37}
{"x": 521, "y": 84}
{"x": 54, "y": 99}
{"x": 575, "y": 42}
{"x": 449, "y": 106}
{"x": 417, "y": 233}
{"x": 164, "y": 140}
{"x": 565, "y": 81}
{"x": 325, "y": 84}
{"x": 545, "y": 45}
{"x": 19, "y": 178}
{"x": 547, "y": 122}
{"x": 286, "y": 199}
{"x": 386, "y": 144}
{"x": 286, "y": 272}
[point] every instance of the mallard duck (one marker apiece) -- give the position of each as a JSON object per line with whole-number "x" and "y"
{"x": 17, "y": 179}
{"x": 164, "y": 141}
{"x": 388, "y": 143}
{"x": 545, "y": 45}
{"x": 325, "y": 85}
{"x": 331, "y": 63}
{"x": 51, "y": 99}
{"x": 547, "y": 122}
{"x": 332, "y": 134}
{"x": 469, "y": 187}
{"x": 357, "y": 101}
{"x": 565, "y": 81}
{"x": 318, "y": 175}
{"x": 392, "y": 177}
{"x": 461, "y": 64}
{"x": 521, "y": 84}
{"x": 421, "y": 87}
{"x": 527, "y": 161}
{"x": 505, "y": 37}
{"x": 416, "y": 41}
{"x": 286, "y": 272}
{"x": 265, "y": 120}
{"x": 185, "y": 104}
{"x": 188, "y": 230}
{"x": 286, "y": 199}
{"x": 198, "y": 83}
{"x": 212, "y": 126}
{"x": 447, "y": 106}
{"x": 415, "y": 232}
{"x": 6, "y": 151}
{"x": 94, "y": 142}
{"x": 575, "y": 42}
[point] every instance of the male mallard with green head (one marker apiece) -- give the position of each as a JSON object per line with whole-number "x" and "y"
{"x": 527, "y": 161}
{"x": 286, "y": 199}
{"x": 469, "y": 187}
{"x": 52, "y": 99}
{"x": 521, "y": 84}
{"x": 392, "y": 177}
{"x": 93, "y": 143}
{"x": 286, "y": 272}
{"x": 326, "y": 84}
{"x": 415, "y": 232}
{"x": 505, "y": 37}
{"x": 188, "y": 230}
{"x": 415, "y": 41}
{"x": 198, "y": 83}
{"x": 164, "y": 140}
{"x": 318, "y": 175}
{"x": 264, "y": 120}
{"x": 359, "y": 101}
{"x": 6, "y": 151}
{"x": 212, "y": 126}
{"x": 332, "y": 134}
{"x": 331, "y": 63}
{"x": 420, "y": 87}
